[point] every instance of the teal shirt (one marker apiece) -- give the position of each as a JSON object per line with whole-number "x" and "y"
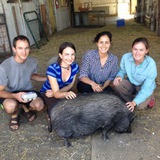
{"x": 143, "y": 75}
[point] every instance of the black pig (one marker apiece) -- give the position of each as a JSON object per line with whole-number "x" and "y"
{"x": 89, "y": 112}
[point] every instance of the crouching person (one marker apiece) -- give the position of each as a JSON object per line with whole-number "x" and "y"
{"x": 16, "y": 74}
{"x": 61, "y": 77}
{"x": 135, "y": 81}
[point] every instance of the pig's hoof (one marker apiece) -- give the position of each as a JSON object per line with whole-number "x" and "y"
{"x": 50, "y": 128}
{"x": 104, "y": 136}
{"x": 67, "y": 143}
{"x": 105, "y": 139}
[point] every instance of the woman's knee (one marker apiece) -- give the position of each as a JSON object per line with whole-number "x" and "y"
{"x": 124, "y": 87}
{"x": 149, "y": 102}
{"x": 119, "y": 88}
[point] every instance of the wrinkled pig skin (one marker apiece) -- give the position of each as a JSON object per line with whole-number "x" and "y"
{"x": 89, "y": 112}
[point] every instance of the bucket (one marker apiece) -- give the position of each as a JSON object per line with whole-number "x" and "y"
{"x": 120, "y": 23}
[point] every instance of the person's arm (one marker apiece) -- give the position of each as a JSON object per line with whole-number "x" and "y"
{"x": 64, "y": 92}
{"x": 35, "y": 76}
{"x": 3, "y": 85}
{"x": 122, "y": 70}
{"x": 106, "y": 84}
{"x": 84, "y": 72}
{"x": 114, "y": 70}
{"x": 146, "y": 90}
{"x": 6, "y": 94}
{"x": 95, "y": 87}
{"x": 121, "y": 73}
{"x": 67, "y": 88}
{"x": 87, "y": 81}
{"x": 38, "y": 77}
{"x": 117, "y": 80}
{"x": 85, "y": 69}
{"x": 148, "y": 78}
{"x": 131, "y": 105}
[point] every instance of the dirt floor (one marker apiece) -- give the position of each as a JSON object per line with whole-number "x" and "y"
{"x": 33, "y": 141}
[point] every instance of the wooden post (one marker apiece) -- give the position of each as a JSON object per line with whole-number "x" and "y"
{"x": 15, "y": 19}
{"x": 152, "y": 21}
{"x": 158, "y": 19}
{"x": 44, "y": 21}
{"x": 138, "y": 11}
{"x": 142, "y": 11}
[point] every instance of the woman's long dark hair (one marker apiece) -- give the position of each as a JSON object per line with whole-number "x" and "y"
{"x": 104, "y": 33}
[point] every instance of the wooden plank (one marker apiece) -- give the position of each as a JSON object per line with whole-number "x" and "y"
{"x": 15, "y": 19}
{"x": 147, "y": 21}
{"x": 158, "y": 19}
{"x": 44, "y": 20}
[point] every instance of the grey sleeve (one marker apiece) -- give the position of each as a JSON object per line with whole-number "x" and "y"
{"x": 3, "y": 77}
{"x": 35, "y": 66}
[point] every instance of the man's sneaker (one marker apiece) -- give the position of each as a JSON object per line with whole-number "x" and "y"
{"x": 151, "y": 103}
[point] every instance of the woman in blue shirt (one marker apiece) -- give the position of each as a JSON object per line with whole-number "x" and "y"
{"x": 99, "y": 66}
{"x": 61, "y": 77}
{"x": 135, "y": 81}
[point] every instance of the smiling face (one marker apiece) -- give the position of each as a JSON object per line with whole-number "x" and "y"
{"x": 21, "y": 50}
{"x": 67, "y": 56}
{"x": 139, "y": 51}
{"x": 103, "y": 44}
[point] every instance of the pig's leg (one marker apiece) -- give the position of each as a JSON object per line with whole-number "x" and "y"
{"x": 104, "y": 135}
{"x": 49, "y": 121}
{"x": 66, "y": 142}
{"x": 106, "y": 128}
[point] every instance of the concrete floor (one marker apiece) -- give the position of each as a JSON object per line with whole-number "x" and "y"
{"x": 91, "y": 20}
{"x": 113, "y": 19}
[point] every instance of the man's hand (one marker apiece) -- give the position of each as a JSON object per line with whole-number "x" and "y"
{"x": 18, "y": 96}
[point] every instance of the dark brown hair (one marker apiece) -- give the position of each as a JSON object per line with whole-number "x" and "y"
{"x": 20, "y": 37}
{"x": 63, "y": 46}
{"x": 99, "y": 35}
{"x": 142, "y": 40}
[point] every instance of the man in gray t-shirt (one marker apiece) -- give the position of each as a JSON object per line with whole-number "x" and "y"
{"x": 16, "y": 74}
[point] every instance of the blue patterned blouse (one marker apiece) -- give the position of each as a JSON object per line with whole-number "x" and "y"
{"x": 54, "y": 70}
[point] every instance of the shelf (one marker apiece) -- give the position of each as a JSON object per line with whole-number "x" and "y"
{"x": 91, "y": 18}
